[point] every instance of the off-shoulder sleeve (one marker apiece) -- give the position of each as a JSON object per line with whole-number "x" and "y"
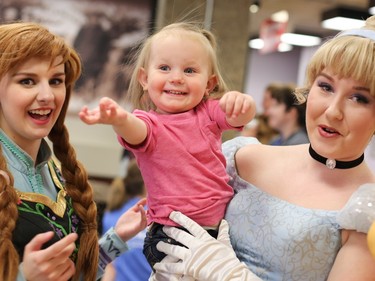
{"x": 359, "y": 212}
{"x": 230, "y": 148}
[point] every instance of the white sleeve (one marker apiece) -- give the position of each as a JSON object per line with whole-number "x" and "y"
{"x": 230, "y": 148}
{"x": 359, "y": 213}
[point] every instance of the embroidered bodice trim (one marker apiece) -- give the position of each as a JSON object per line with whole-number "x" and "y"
{"x": 57, "y": 207}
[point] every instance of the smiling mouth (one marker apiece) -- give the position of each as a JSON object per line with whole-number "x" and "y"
{"x": 177, "y": 93}
{"x": 40, "y": 114}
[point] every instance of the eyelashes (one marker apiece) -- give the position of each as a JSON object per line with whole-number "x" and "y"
{"x": 357, "y": 97}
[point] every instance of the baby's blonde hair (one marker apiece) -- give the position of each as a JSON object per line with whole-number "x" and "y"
{"x": 137, "y": 96}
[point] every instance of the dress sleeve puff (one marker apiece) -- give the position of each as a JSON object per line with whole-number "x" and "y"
{"x": 359, "y": 212}
{"x": 230, "y": 148}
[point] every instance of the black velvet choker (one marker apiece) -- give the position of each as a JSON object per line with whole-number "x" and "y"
{"x": 332, "y": 163}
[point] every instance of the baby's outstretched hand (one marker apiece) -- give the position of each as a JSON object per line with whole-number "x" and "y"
{"x": 107, "y": 112}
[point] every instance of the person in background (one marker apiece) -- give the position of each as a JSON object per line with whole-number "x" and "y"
{"x": 259, "y": 128}
{"x": 93, "y": 43}
{"x": 267, "y": 98}
{"x": 300, "y": 212}
{"x": 286, "y": 116}
{"x": 182, "y": 107}
{"x": 125, "y": 160}
{"x": 47, "y": 212}
{"x": 124, "y": 193}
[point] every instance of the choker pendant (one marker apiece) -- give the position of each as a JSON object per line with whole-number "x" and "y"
{"x": 332, "y": 163}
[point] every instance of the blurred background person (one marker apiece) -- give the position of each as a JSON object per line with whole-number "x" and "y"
{"x": 124, "y": 193}
{"x": 286, "y": 116}
{"x": 93, "y": 45}
{"x": 259, "y": 128}
{"x": 267, "y": 97}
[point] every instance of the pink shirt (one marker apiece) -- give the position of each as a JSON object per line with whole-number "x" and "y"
{"x": 182, "y": 164}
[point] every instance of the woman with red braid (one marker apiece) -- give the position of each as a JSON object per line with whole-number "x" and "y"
{"x": 48, "y": 228}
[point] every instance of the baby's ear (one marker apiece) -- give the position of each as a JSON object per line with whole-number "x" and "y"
{"x": 142, "y": 78}
{"x": 211, "y": 84}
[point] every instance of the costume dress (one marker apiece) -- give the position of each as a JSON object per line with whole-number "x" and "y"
{"x": 44, "y": 205}
{"x": 278, "y": 240}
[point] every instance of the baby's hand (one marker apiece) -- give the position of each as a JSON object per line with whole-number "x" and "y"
{"x": 234, "y": 103}
{"x": 107, "y": 112}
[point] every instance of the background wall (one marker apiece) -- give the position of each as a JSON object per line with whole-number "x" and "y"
{"x": 96, "y": 147}
{"x": 263, "y": 69}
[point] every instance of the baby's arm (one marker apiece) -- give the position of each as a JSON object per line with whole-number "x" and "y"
{"x": 239, "y": 108}
{"x": 132, "y": 129}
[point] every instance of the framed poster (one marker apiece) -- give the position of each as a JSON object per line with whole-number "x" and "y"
{"x": 103, "y": 32}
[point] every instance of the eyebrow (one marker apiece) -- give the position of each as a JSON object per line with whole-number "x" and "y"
{"x": 326, "y": 76}
{"x": 32, "y": 74}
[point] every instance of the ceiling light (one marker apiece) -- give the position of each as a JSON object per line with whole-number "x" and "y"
{"x": 371, "y": 8}
{"x": 300, "y": 39}
{"x": 254, "y": 8}
{"x": 288, "y": 40}
{"x": 258, "y": 43}
{"x": 342, "y": 18}
{"x": 284, "y": 47}
{"x": 280, "y": 16}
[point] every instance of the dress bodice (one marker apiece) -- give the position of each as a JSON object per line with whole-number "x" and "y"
{"x": 276, "y": 239}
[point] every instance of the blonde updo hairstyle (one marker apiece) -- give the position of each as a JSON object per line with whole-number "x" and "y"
{"x": 138, "y": 97}
{"x": 18, "y": 43}
{"x": 347, "y": 56}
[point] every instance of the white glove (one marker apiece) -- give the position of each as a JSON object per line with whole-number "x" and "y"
{"x": 167, "y": 276}
{"x": 205, "y": 258}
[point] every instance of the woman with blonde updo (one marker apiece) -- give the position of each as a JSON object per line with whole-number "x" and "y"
{"x": 48, "y": 228}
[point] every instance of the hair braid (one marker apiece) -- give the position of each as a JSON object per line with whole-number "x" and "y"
{"x": 8, "y": 214}
{"x": 79, "y": 189}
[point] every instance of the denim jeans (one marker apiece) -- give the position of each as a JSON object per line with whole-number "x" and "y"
{"x": 156, "y": 234}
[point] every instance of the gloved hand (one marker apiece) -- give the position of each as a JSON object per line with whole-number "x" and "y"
{"x": 205, "y": 258}
{"x": 167, "y": 276}
{"x": 223, "y": 234}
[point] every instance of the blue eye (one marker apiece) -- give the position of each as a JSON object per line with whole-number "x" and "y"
{"x": 360, "y": 99}
{"x": 189, "y": 70}
{"x": 164, "y": 68}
